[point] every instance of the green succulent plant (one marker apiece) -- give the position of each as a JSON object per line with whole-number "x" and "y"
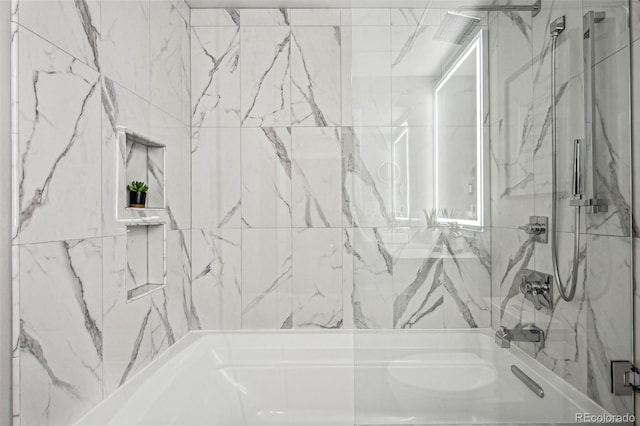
{"x": 136, "y": 186}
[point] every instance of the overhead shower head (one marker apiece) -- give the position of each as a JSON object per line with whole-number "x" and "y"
{"x": 456, "y": 27}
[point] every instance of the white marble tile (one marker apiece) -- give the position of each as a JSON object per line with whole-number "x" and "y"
{"x": 365, "y": 16}
{"x": 168, "y": 70}
{"x": 418, "y": 291}
{"x": 316, "y": 185}
{"x": 612, "y": 33}
{"x": 73, "y": 26}
{"x": 127, "y": 326}
{"x": 635, "y": 19}
{"x": 265, "y": 17}
{"x": 373, "y": 265}
{"x": 266, "y": 177}
{"x": 412, "y": 100}
{"x": 216, "y": 178}
{"x": 609, "y": 316}
{"x": 565, "y": 327}
{"x": 367, "y": 50}
{"x": 265, "y": 76}
{"x": 125, "y": 62}
{"x": 61, "y": 330}
{"x": 408, "y": 47}
{"x": 215, "y": 17}
{"x": 215, "y": 78}
{"x": 315, "y": 76}
{"x": 58, "y": 144}
{"x": 415, "y": 16}
{"x": 266, "y": 278}
{"x": 216, "y": 287}
{"x": 330, "y": 17}
{"x": 317, "y": 278}
{"x": 347, "y": 278}
{"x": 367, "y": 176}
{"x": 171, "y": 310}
{"x": 635, "y": 124}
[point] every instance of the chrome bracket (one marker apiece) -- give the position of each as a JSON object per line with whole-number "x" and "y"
{"x": 537, "y": 228}
{"x": 538, "y": 288}
{"x": 624, "y": 378}
{"x": 592, "y": 205}
{"x": 537, "y": 7}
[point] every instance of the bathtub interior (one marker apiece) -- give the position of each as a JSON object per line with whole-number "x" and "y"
{"x": 309, "y": 378}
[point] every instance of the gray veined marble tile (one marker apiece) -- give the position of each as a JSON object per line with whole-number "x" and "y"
{"x": 73, "y": 26}
{"x": 317, "y": 278}
{"x": 415, "y": 16}
{"x": 366, "y": 176}
{"x": 127, "y": 326}
{"x": 265, "y": 76}
{"x": 168, "y": 69}
{"x": 61, "y": 330}
{"x": 347, "y": 278}
{"x": 310, "y": 17}
{"x": 216, "y": 178}
{"x": 266, "y": 177}
{"x": 216, "y": 287}
{"x": 265, "y": 17}
{"x": 266, "y": 278}
{"x": 123, "y": 21}
{"x": 373, "y": 267}
{"x": 58, "y": 144}
{"x": 316, "y": 172}
{"x": 315, "y": 76}
{"x": 366, "y": 16}
{"x": 609, "y": 316}
{"x": 228, "y": 17}
{"x": 215, "y": 79}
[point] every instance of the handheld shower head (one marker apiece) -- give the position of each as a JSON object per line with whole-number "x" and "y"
{"x": 557, "y": 26}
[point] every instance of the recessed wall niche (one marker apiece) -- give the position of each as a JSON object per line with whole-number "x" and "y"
{"x": 146, "y": 259}
{"x": 145, "y": 161}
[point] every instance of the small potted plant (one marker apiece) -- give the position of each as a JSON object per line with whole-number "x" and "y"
{"x": 137, "y": 194}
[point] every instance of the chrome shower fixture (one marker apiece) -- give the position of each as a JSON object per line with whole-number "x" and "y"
{"x": 557, "y": 27}
{"x": 456, "y": 26}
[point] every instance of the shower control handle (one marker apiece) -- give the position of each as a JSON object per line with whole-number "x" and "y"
{"x": 537, "y": 227}
{"x": 537, "y": 287}
{"x": 533, "y": 228}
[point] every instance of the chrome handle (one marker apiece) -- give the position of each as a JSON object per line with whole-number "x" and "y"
{"x": 533, "y": 228}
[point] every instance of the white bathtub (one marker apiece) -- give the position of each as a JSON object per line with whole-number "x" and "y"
{"x": 339, "y": 378}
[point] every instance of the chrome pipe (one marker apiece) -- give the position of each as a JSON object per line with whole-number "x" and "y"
{"x": 528, "y": 381}
{"x": 576, "y": 185}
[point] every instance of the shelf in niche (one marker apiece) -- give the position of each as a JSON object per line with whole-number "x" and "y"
{"x": 146, "y": 259}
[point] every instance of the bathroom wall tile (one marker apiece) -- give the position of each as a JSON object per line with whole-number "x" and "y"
{"x": 636, "y": 305}
{"x": 127, "y": 326}
{"x": 466, "y": 278}
{"x": 565, "y": 349}
{"x": 612, "y": 146}
{"x": 168, "y": 131}
{"x": 216, "y": 178}
{"x": 415, "y": 16}
{"x": 216, "y": 287}
{"x": 511, "y": 110}
{"x": 61, "y": 330}
{"x": 366, "y": 16}
{"x": 635, "y": 142}
{"x": 329, "y": 17}
{"x": 58, "y": 144}
{"x": 168, "y": 68}
{"x": 635, "y": 19}
{"x": 367, "y": 179}
{"x": 215, "y": 17}
{"x": 265, "y": 76}
{"x": 408, "y": 46}
{"x": 215, "y": 80}
{"x": 183, "y": 9}
{"x": 265, "y": 17}
{"x": 316, "y": 187}
{"x": 266, "y": 278}
{"x": 418, "y": 279}
{"x": 373, "y": 266}
{"x": 317, "y": 278}
{"x": 367, "y": 50}
{"x": 170, "y": 307}
{"x": 347, "y": 278}
{"x": 266, "y": 177}
{"x": 123, "y": 21}
{"x": 72, "y": 26}
{"x": 511, "y": 252}
{"x": 608, "y": 335}
{"x": 315, "y": 76}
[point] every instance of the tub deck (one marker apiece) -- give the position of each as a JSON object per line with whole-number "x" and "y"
{"x": 339, "y": 378}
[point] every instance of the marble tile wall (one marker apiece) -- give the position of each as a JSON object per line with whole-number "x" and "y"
{"x": 80, "y": 69}
{"x": 584, "y": 335}
{"x": 296, "y": 115}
